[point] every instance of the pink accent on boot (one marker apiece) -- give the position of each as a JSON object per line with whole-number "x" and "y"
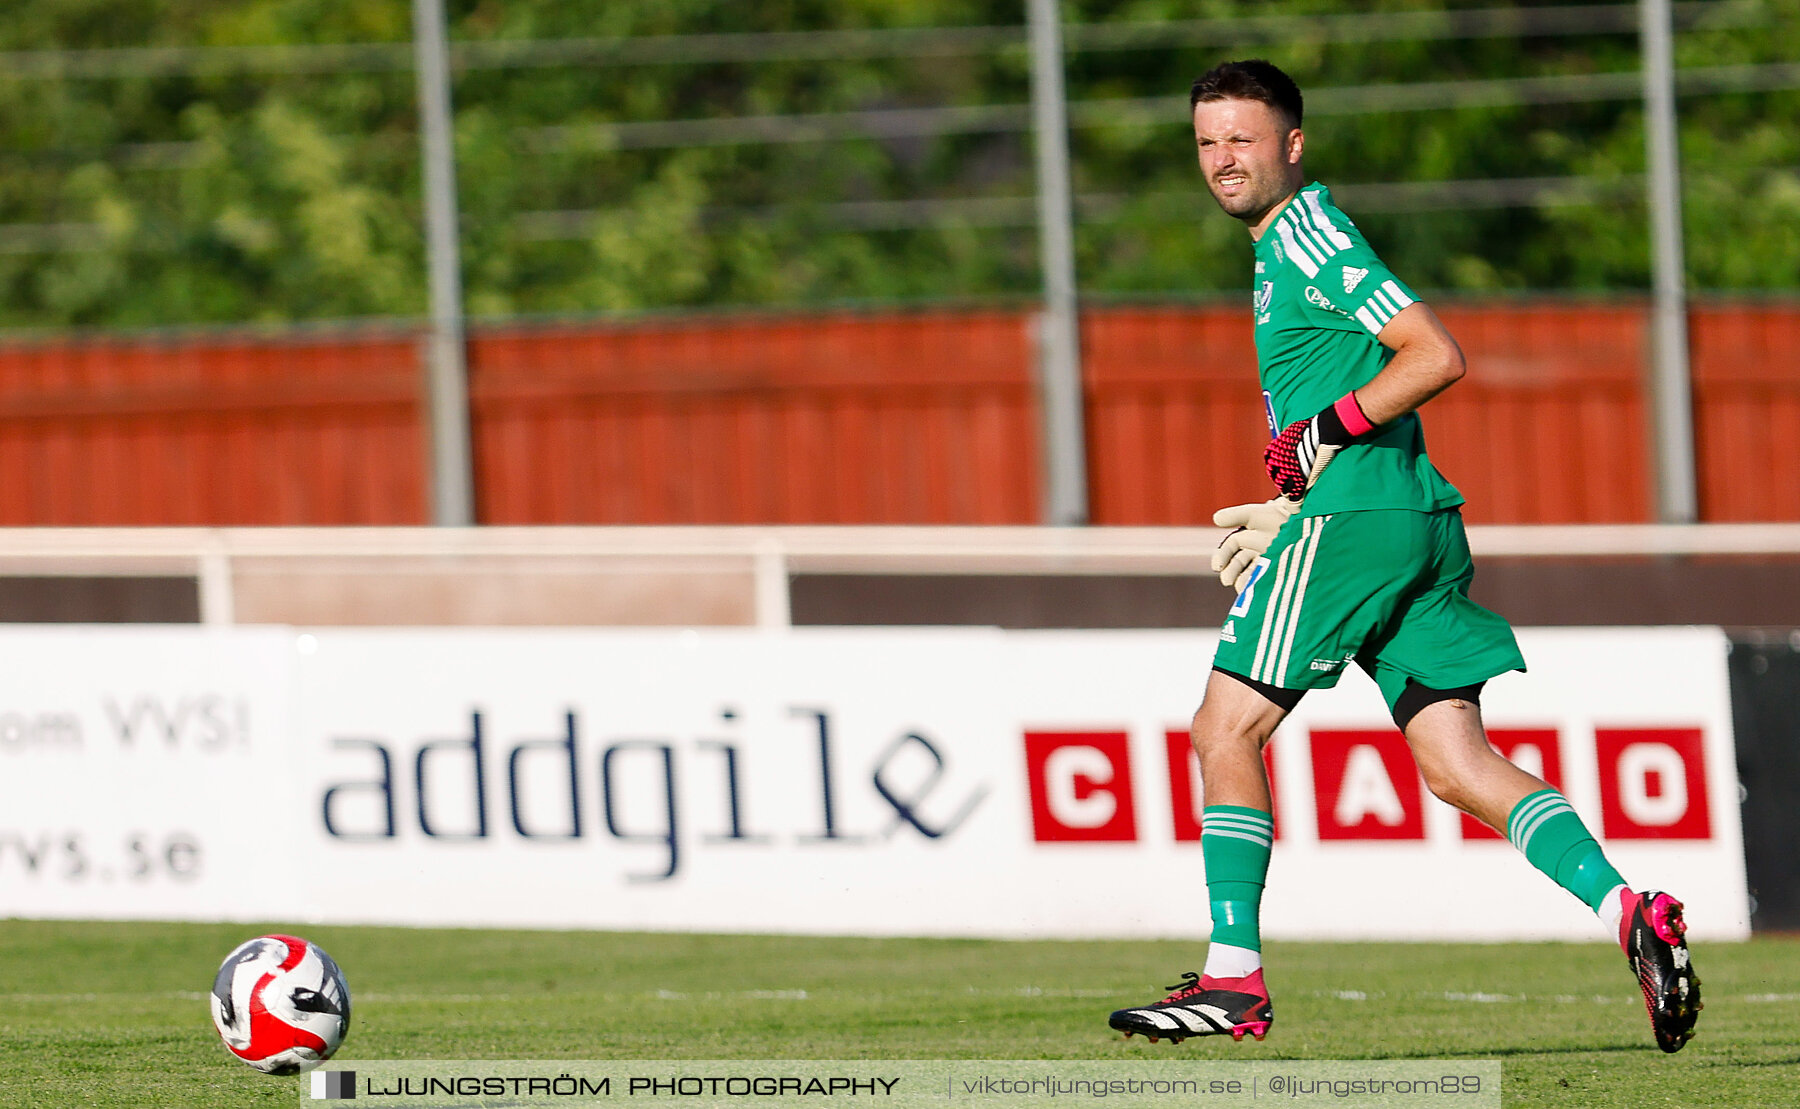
{"x": 1659, "y": 909}
{"x": 1628, "y": 900}
{"x": 1251, "y": 983}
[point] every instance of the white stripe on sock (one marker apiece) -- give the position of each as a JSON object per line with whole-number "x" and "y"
{"x": 1536, "y": 821}
{"x": 1526, "y": 810}
{"x": 1264, "y": 823}
{"x": 1265, "y": 841}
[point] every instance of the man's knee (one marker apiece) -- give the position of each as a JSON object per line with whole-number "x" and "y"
{"x": 1237, "y": 722}
{"x": 1216, "y": 732}
{"x": 1445, "y": 783}
{"x": 1447, "y": 767}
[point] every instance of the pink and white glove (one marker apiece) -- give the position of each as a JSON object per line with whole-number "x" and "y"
{"x": 1297, "y": 456}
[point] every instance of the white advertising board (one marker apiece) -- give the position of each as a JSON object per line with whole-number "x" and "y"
{"x": 141, "y": 773}
{"x": 870, "y": 781}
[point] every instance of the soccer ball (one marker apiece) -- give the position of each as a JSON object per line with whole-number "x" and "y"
{"x": 281, "y": 1004}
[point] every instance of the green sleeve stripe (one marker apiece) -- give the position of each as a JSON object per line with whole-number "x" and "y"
{"x": 1309, "y": 237}
{"x": 1306, "y": 264}
{"x": 1323, "y": 223}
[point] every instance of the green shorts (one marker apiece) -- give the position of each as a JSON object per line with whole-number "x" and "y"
{"x": 1387, "y": 589}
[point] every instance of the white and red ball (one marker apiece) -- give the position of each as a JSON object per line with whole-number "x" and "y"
{"x": 281, "y": 1004}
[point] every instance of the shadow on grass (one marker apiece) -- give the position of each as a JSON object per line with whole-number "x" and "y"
{"x": 1793, "y": 1061}
{"x": 1565, "y": 1049}
{"x": 1647, "y": 1049}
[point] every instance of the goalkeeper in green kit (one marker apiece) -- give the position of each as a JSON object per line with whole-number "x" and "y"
{"x": 1362, "y": 560}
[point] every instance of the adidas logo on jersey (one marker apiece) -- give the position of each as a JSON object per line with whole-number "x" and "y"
{"x": 1353, "y": 277}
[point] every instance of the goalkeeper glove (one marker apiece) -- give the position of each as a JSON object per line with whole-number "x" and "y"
{"x": 1297, "y": 456}
{"x": 1254, "y": 527}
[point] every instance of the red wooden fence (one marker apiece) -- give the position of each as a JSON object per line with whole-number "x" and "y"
{"x": 917, "y": 418}
{"x": 305, "y": 428}
{"x": 1747, "y": 411}
{"x": 914, "y": 417}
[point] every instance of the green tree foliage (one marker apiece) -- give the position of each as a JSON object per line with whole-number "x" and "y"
{"x": 136, "y": 189}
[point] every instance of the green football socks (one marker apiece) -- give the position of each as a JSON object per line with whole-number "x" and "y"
{"x": 1234, "y": 844}
{"x": 1554, "y": 840}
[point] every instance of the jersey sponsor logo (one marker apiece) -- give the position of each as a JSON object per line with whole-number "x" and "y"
{"x": 1314, "y": 296}
{"x": 1278, "y": 254}
{"x": 1353, "y": 277}
{"x": 1261, "y": 265}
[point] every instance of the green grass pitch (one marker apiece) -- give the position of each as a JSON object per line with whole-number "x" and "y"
{"x": 109, "y": 1014}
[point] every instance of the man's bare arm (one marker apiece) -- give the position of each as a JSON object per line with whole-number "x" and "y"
{"x": 1426, "y": 362}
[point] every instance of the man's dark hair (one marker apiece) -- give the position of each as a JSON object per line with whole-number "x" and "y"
{"x": 1254, "y": 79}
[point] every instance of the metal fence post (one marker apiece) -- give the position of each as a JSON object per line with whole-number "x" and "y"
{"x": 446, "y": 369}
{"x": 1059, "y": 344}
{"x": 1672, "y": 424}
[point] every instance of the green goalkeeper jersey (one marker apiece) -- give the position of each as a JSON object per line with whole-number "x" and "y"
{"x": 1322, "y": 297}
